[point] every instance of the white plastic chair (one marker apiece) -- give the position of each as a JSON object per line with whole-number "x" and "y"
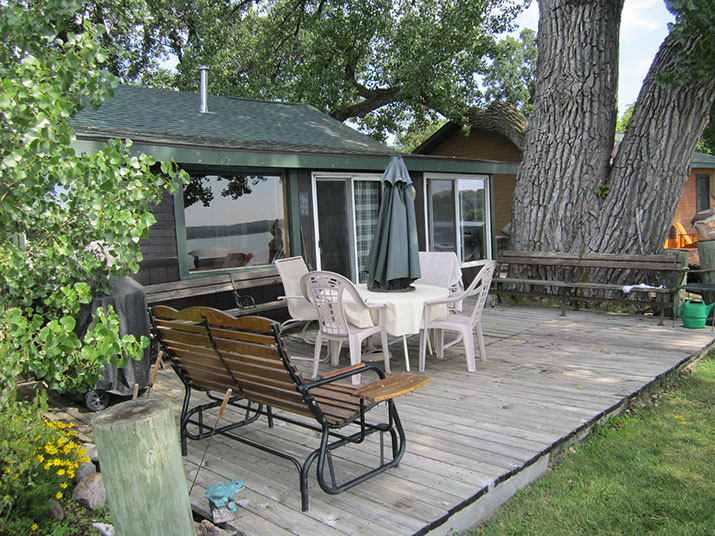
{"x": 325, "y": 291}
{"x": 465, "y": 325}
{"x": 290, "y": 271}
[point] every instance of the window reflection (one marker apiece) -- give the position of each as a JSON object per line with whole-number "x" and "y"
{"x": 443, "y": 230}
{"x": 234, "y": 221}
{"x": 472, "y": 224}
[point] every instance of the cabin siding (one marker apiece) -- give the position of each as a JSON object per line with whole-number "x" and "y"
{"x": 687, "y": 206}
{"x": 479, "y": 144}
{"x": 160, "y": 262}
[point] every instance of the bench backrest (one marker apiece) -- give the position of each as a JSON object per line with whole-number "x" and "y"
{"x": 214, "y": 351}
{"x": 664, "y": 263}
{"x": 202, "y": 286}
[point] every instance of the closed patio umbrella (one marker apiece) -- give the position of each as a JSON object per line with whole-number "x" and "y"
{"x": 394, "y": 260}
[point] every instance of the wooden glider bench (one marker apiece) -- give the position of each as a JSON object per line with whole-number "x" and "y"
{"x": 166, "y": 293}
{"x": 669, "y": 270}
{"x": 213, "y": 352}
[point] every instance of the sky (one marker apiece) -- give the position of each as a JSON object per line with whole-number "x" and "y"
{"x": 644, "y": 26}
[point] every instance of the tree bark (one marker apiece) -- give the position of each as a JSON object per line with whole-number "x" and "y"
{"x": 653, "y": 161}
{"x": 568, "y": 197}
{"x": 572, "y": 129}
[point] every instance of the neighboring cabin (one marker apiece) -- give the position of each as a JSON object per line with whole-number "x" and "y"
{"x": 497, "y": 133}
{"x": 272, "y": 179}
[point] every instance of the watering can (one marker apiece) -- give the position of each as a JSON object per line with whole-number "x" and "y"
{"x": 694, "y": 313}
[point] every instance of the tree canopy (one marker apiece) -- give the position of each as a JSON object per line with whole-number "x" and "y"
{"x": 511, "y": 77}
{"x": 378, "y": 63}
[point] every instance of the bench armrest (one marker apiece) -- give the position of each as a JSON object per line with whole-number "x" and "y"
{"x": 389, "y": 388}
{"x": 346, "y": 372}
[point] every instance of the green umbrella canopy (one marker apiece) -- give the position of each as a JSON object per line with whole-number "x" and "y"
{"x": 394, "y": 260}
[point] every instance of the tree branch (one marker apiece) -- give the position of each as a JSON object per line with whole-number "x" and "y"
{"x": 377, "y": 99}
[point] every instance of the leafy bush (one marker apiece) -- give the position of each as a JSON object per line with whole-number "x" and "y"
{"x": 68, "y": 221}
{"x": 38, "y": 460}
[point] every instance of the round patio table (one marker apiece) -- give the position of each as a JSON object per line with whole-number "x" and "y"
{"x": 404, "y": 311}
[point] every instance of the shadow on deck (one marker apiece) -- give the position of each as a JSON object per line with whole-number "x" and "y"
{"x": 473, "y": 440}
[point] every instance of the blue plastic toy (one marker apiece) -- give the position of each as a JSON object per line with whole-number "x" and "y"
{"x": 221, "y": 494}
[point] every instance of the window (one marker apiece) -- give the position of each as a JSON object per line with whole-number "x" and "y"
{"x": 457, "y": 217}
{"x": 233, "y": 221}
{"x": 702, "y": 192}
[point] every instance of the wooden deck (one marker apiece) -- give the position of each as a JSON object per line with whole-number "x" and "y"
{"x": 473, "y": 439}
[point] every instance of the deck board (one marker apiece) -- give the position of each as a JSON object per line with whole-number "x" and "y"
{"x": 472, "y": 439}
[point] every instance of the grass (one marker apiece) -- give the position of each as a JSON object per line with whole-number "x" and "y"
{"x": 649, "y": 471}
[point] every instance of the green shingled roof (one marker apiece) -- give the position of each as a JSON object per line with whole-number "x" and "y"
{"x": 172, "y": 117}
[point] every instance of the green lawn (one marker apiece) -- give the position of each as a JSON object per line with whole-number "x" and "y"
{"x": 650, "y": 471}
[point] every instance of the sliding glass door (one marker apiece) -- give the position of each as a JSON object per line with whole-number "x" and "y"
{"x": 347, "y": 210}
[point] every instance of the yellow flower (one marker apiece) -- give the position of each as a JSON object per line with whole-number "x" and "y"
{"x": 60, "y": 472}
{"x": 70, "y": 474}
{"x": 40, "y": 458}
{"x": 63, "y": 485}
{"x": 58, "y": 495}
{"x": 34, "y": 526}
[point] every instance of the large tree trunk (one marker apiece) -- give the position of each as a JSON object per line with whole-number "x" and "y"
{"x": 653, "y": 161}
{"x": 567, "y": 196}
{"x": 571, "y": 131}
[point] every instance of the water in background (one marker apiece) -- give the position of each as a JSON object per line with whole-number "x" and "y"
{"x": 252, "y": 243}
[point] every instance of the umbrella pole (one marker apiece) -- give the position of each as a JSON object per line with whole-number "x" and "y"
{"x": 407, "y": 357}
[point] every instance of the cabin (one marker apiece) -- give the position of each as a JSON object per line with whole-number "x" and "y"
{"x": 275, "y": 179}
{"x": 500, "y": 137}
{"x": 697, "y": 196}
{"x": 495, "y": 133}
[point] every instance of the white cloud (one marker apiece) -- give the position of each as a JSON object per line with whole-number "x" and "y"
{"x": 643, "y": 16}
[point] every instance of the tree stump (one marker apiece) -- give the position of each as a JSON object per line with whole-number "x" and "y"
{"x": 706, "y": 250}
{"x": 142, "y": 469}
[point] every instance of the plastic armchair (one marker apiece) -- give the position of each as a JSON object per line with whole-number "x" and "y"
{"x": 466, "y": 325}
{"x": 300, "y": 309}
{"x": 326, "y": 290}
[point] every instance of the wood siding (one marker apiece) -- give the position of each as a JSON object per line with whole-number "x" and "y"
{"x": 687, "y": 206}
{"x": 503, "y": 190}
{"x": 479, "y": 144}
{"x": 161, "y": 262}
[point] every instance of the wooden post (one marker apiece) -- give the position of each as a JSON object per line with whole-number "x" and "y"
{"x": 142, "y": 469}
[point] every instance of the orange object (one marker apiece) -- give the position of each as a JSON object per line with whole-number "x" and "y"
{"x": 679, "y": 239}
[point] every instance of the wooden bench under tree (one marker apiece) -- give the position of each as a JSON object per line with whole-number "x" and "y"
{"x": 234, "y": 286}
{"x": 568, "y": 277}
{"x": 213, "y": 352}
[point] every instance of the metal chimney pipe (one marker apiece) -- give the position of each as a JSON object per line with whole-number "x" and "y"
{"x": 204, "y": 89}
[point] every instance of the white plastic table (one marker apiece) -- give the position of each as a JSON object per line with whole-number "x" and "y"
{"x": 404, "y": 311}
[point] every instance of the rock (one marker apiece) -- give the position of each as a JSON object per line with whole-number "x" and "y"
{"x": 90, "y": 492}
{"x": 104, "y": 529}
{"x": 222, "y": 515}
{"x": 83, "y": 471}
{"x": 57, "y": 512}
{"x": 206, "y": 528}
{"x": 91, "y": 450}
